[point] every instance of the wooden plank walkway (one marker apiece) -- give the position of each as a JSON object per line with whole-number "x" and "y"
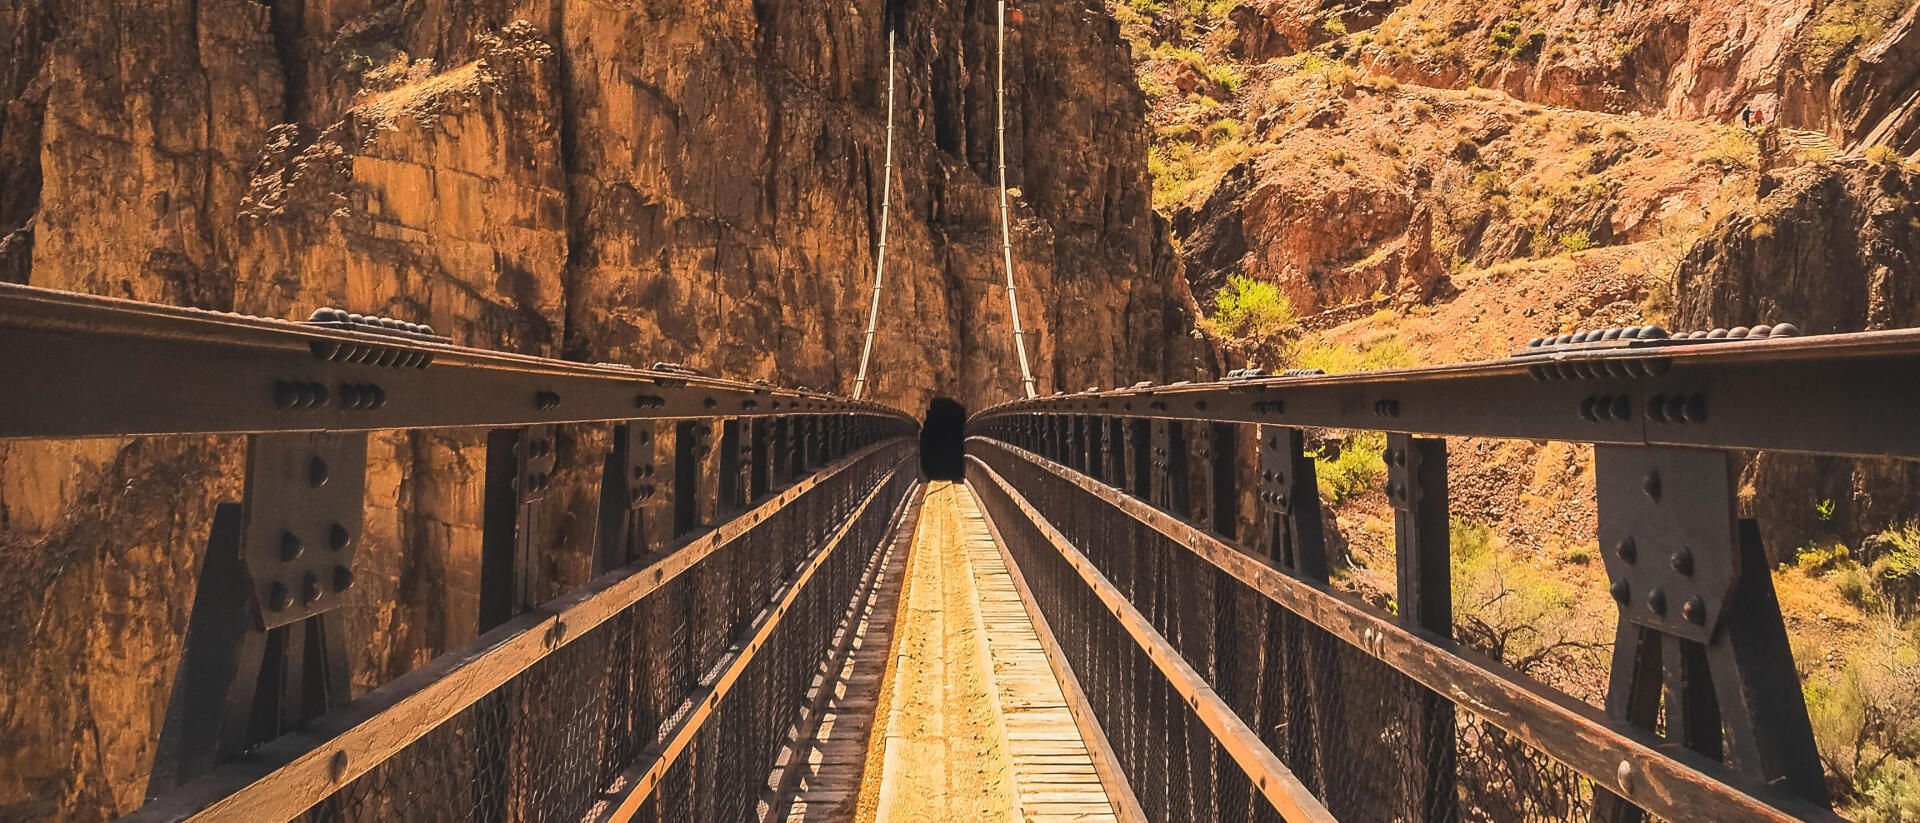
{"x": 1053, "y": 771}
{"x": 974, "y": 725}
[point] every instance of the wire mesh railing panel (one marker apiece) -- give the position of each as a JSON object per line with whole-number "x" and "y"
{"x": 1369, "y": 741}
{"x": 566, "y": 738}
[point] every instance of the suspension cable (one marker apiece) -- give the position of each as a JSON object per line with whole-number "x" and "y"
{"x": 1006, "y": 231}
{"x": 886, "y": 205}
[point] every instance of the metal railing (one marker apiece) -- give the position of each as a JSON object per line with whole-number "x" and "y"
{"x": 1173, "y": 538}
{"x": 664, "y": 688}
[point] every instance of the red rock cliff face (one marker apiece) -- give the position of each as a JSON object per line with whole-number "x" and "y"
{"x": 625, "y": 181}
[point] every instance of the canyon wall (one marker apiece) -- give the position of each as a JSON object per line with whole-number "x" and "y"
{"x": 694, "y": 181}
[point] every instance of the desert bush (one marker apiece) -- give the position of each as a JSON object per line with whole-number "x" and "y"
{"x": 1465, "y": 150}
{"x": 1249, "y": 308}
{"x": 1866, "y": 725}
{"x": 1883, "y": 154}
{"x": 1349, "y": 468}
{"x": 1225, "y": 128}
{"x": 1731, "y": 148}
{"x": 1514, "y": 610}
{"x": 1573, "y": 242}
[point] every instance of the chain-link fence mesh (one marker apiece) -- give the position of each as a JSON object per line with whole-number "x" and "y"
{"x": 1369, "y": 742}
{"x": 565, "y": 735}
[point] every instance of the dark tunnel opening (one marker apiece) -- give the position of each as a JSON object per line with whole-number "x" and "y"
{"x": 943, "y": 435}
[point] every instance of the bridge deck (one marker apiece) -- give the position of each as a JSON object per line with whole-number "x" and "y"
{"x": 974, "y": 724}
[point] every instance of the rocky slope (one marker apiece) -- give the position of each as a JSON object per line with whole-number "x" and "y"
{"x": 1434, "y": 181}
{"x": 630, "y": 182}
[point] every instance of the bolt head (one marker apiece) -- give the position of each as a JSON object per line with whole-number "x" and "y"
{"x": 279, "y": 597}
{"x": 1683, "y": 561}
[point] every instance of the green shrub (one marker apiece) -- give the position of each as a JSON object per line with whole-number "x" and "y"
{"x": 1576, "y": 241}
{"x": 1866, "y": 726}
{"x": 1883, "y": 154}
{"x": 1227, "y": 77}
{"x": 1511, "y": 608}
{"x": 1335, "y": 27}
{"x": 1731, "y": 148}
{"x": 1355, "y": 466}
{"x": 1225, "y": 128}
{"x": 1817, "y": 558}
{"x": 1249, "y": 308}
{"x": 1900, "y": 559}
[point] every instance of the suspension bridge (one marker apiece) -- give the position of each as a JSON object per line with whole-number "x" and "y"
{"x": 1109, "y": 604}
{"x": 1136, "y": 578}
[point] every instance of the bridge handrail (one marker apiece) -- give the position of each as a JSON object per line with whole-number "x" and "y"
{"x": 1839, "y": 394}
{"x": 1194, "y": 497}
{"x": 88, "y": 366}
{"x": 1676, "y": 784}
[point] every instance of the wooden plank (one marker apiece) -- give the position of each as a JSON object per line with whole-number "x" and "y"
{"x": 1666, "y": 779}
{"x": 1277, "y": 783}
{"x": 284, "y": 778}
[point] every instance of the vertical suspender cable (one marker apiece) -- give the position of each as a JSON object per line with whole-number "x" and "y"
{"x": 1006, "y": 231}
{"x": 886, "y": 204}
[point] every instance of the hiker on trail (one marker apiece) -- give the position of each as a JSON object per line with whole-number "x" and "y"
{"x": 1746, "y": 117}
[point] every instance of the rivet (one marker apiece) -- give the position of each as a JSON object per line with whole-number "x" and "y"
{"x": 1694, "y": 610}
{"x": 1624, "y": 773}
{"x": 316, "y": 472}
{"x": 1622, "y": 408}
{"x": 290, "y": 547}
{"x": 338, "y": 537}
{"x": 1657, "y": 601}
{"x": 1651, "y": 485}
{"x": 342, "y": 578}
{"x": 1683, "y": 561}
{"x": 1626, "y": 550}
{"x": 337, "y": 766}
{"x": 1621, "y": 591}
{"x": 278, "y": 597}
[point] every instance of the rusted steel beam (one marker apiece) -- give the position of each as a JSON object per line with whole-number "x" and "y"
{"x": 282, "y": 779}
{"x": 85, "y": 366}
{"x": 637, "y": 782}
{"x": 1288, "y": 796}
{"x": 1842, "y": 394}
{"x": 1662, "y": 777}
